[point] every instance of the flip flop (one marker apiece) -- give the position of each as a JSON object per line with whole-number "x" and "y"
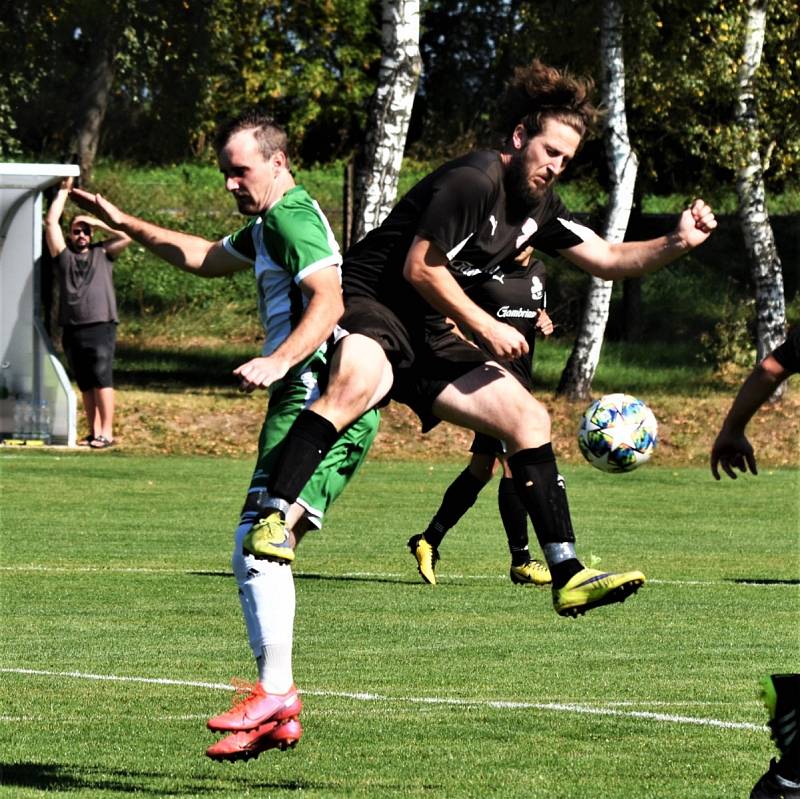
{"x": 100, "y": 442}
{"x": 87, "y": 441}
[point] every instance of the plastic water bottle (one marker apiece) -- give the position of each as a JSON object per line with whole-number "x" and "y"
{"x": 23, "y": 418}
{"x": 43, "y": 423}
{"x": 4, "y": 392}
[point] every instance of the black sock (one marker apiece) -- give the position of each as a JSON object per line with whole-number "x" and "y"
{"x": 542, "y": 491}
{"x": 303, "y": 449}
{"x": 789, "y": 768}
{"x": 457, "y": 500}
{"x": 562, "y": 572}
{"x": 515, "y": 521}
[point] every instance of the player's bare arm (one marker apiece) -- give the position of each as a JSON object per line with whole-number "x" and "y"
{"x": 731, "y": 449}
{"x": 187, "y": 252}
{"x": 613, "y": 261}
{"x": 54, "y": 236}
{"x": 116, "y": 242}
{"x": 426, "y": 269}
{"x": 324, "y": 309}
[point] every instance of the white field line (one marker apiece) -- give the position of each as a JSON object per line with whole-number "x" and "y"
{"x": 345, "y": 575}
{"x": 496, "y": 704}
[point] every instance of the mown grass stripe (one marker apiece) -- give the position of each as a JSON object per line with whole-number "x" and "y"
{"x": 496, "y": 704}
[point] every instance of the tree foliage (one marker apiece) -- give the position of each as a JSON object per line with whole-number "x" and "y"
{"x": 682, "y": 56}
{"x": 181, "y": 65}
{"x": 684, "y": 60}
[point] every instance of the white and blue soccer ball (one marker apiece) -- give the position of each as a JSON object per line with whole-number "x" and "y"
{"x": 618, "y": 433}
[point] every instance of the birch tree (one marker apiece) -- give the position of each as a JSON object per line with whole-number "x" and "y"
{"x": 753, "y": 216}
{"x": 576, "y": 379}
{"x": 378, "y": 166}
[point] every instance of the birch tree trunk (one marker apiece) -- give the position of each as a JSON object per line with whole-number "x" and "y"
{"x": 576, "y": 379}
{"x": 753, "y": 216}
{"x": 378, "y": 166}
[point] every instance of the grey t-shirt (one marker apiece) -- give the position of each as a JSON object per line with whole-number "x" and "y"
{"x": 86, "y": 287}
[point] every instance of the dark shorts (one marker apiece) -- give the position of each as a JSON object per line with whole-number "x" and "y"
{"x": 90, "y": 353}
{"x": 486, "y": 445}
{"x": 425, "y": 357}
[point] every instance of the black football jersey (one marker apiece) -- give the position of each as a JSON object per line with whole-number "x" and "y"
{"x": 788, "y": 353}
{"x": 514, "y": 294}
{"x": 463, "y": 208}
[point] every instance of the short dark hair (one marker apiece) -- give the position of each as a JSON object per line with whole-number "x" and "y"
{"x": 270, "y": 136}
{"x": 539, "y": 92}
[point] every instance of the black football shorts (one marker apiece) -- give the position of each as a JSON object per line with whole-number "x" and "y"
{"x": 426, "y": 356}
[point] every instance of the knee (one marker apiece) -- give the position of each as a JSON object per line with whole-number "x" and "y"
{"x": 482, "y": 468}
{"x": 529, "y": 426}
{"x": 355, "y": 387}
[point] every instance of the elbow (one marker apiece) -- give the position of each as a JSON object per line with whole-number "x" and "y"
{"x": 327, "y": 312}
{"x": 413, "y": 273}
{"x": 337, "y": 311}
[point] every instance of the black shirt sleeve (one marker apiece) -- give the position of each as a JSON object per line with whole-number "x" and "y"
{"x": 559, "y": 229}
{"x": 788, "y": 353}
{"x": 460, "y": 202}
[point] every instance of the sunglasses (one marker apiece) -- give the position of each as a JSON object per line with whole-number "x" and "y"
{"x": 76, "y": 231}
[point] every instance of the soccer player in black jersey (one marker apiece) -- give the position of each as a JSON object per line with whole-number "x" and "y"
{"x": 516, "y": 295}
{"x": 731, "y": 450}
{"x": 399, "y": 291}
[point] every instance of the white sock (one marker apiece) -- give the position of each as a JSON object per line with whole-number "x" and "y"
{"x": 267, "y": 596}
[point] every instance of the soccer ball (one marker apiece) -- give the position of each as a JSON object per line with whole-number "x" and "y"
{"x": 617, "y": 433}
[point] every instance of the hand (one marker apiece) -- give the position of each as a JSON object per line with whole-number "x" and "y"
{"x": 732, "y": 451}
{"x": 544, "y": 324}
{"x": 259, "y": 373}
{"x": 99, "y": 206}
{"x": 695, "y": 224}
{"x": 66, "y": 184}
{"x": 92, "y": 221}
{"x": 504, "y": 341}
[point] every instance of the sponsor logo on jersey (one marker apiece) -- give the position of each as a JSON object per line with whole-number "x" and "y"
{"x": 537, "y": 289}
{"x": 506, "y": 312}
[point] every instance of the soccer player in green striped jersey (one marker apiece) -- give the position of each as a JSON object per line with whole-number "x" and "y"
{"x": 289, "y": 245}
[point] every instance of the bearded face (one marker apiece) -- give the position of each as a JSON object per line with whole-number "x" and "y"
{"x": 538, "y": 160}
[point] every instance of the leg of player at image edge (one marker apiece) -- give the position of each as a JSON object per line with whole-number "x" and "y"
{"x": 265, "y": 715}
{"x": 781, "y": 696}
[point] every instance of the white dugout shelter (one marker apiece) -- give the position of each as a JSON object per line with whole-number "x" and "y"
{"x": 30, "y": 368}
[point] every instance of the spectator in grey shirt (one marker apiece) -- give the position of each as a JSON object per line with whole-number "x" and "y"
{"x": 87, "y": 310}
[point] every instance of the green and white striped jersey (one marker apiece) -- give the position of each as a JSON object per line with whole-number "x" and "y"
{"x": 286, "y": 244}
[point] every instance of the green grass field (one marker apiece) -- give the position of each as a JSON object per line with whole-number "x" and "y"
{"x": 122, "y": 628}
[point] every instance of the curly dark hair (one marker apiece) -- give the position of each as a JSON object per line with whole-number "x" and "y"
{"x": 270, "y": 136}
{"x": 539, "y": 92}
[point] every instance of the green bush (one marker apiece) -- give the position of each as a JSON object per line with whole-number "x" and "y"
{"x": 731, "y": 342}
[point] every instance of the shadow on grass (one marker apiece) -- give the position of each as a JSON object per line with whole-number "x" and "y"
{"x": 762, "y": 581}
{"x": 179, "y": 368}
{"x": 62, "y": 777}
{"x": 647, "y": 367}
{"x": 65, "y": 777}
